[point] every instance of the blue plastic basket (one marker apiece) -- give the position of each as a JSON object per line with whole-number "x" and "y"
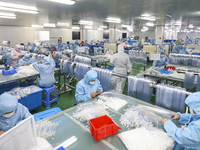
{"x": 109, "y": 68}
{"x": 7, "y": 72}
{"x": 34, "y": 99}
{"x": 61, "y": 148}
{"x": 165, "y": 71}
{"x": 47, "y": 113}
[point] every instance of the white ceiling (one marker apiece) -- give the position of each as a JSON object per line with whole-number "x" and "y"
{"x": 186, "y": 11}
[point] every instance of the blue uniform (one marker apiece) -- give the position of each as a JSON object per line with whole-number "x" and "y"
{"x": 25, "y": 61}
{"x": 6, "y": 57}
{"x": 85, "y": 43}
{"x": 46, "y": 70}
{"x": 188, "y": 138}
{"x": 98, "y": 51}
{"x": 77, "y": 43}
{"x": 163, "y": 60}
{"x": 10, "y": 103}
{"x": 84, "y": 88}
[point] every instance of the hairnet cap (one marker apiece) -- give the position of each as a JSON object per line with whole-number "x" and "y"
{"x": 161, "y": 51}
{"x": 90, "y": 75}
{"x": 121, "y": 48}
{"x": 193, "y": 101}
{"x": 17, "y": 47}
{"x": 8, "y": 103}
{"x": 27, "y": 55}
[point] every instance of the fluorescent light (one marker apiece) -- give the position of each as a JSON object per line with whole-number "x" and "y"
{"x": 49, "y": 25}
{"x": 150, "y": 24}
{"x": 125, "y": 26}
{"x": 191, "y": 26}
{"x": 88, "y": 27}
{"x": 113, "y": 20}
{"x": 63, "y": 24}
{"x": 8, "y": 17}
{"x": 76, "y": 28}
{"x": 36, "y": 26}
{"x": 86, "y": 22}
{"x": 103, "y": 27}
{"x": 18, "y": 8}
{"x": 7, "y": 14}
{"x": 149, "y": 18}
{"x": 143, "y": 30}
{"x": 67, "y": 2}
{"x": 145, "y": 15}
{"x": 100, "y": 29}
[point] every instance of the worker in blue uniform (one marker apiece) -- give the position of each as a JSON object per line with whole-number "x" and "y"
{"x": 164, "y": 60}
{"x": 7, "y": 59}
{"x": 76, "y": 43}
{"x": 89, "y": 87}
{"x": 11, "y": 112}
{"x": 26, "y": 60}
{"x": 46, "y": 69}
{"x": 188, "y": 137}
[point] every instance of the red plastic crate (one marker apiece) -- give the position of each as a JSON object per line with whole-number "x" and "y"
{"x": 171, "y": 67}
{"x": 102, "y": 127}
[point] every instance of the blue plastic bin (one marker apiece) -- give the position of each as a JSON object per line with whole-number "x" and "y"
{"x": 10, "y": 86}
{"x": 165, "y": 71}
{"x": 34, "y": 99}
{"x": 7, "y": 72}
{"x": 109, "y": 68}
{"x": 61, "y": 148}
{"x": 47, "y": 113}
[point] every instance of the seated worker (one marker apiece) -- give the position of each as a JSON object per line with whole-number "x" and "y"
{"x": 7, "y": 59}
{"x": 26, "y": 60}
{"x": 76, "y": 43}
{"x": 189, "y": 136}
{"x": 46, "y": 69}
{"x": 88, "y": 88}
{"x": 16, "y": 55}
{"x": 11, "y": 112}
{"x": 98, "y": 51}
{"x": 164, "y": 60}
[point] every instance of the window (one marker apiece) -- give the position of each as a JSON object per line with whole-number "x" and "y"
{"x": 76, "y": 35}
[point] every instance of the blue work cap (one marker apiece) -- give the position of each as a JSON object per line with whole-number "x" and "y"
{"x": 9, "y": 50}
{"x": 161, "y": 51}
{"x": 90, "y": 75}
{"x": 8, "y": 103}
{"x": 27, "y": 56}
{"x": 193, "y": 101}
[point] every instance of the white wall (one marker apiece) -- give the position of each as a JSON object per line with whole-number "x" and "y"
{"x": 150, "y": 34}
{"x": 94, "y": 35}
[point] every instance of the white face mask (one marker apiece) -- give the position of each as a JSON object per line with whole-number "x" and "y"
{"x": 92, "y": 83}
{"x": 8, "y": 115}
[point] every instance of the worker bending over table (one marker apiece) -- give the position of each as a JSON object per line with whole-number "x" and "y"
{"x": 26, "y": 60}
{"x": 11, "y": 112}
{"x": 187, "y": 137}
{"x": 89, "y": 87}
{"x": 164, "y": 60}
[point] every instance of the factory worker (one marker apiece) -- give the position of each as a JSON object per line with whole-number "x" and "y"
{"x": 164, "y": 60}
{"x": 11, "y": 112}
{"x": 98, "y": 51}
{"x": 187, "y": 138}
{"x": 46, "y": 69}
{"x": 85, "y": 44}
{"x": 77, "y": 43}
{"x": 16, "y": 55}
{"x": 89, "y": 87}
{"x": 7, "y": 59}
{"x": 75, "y": 49}
{"x": 122, "y": 65}
{"x": 26, "y": 60}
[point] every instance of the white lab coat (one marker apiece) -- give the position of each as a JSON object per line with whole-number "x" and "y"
{"x": 122, "y": 65}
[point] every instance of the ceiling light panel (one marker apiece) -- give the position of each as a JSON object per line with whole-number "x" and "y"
{"x": 113, "y": 20}
{"x": 49, "y": 25}
{"x": 84, "y": 22}
{"x": 62, "y": 24}
{"x": 88, "y": 27}
{"x": 76, "y": 28}
{"x": 18, "y": 8}
{"x": 67, "y": 2}
{"x": 36, "y": 26}
{"x": 8, "y": 17}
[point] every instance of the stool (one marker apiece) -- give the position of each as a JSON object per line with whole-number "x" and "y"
{"x": 47, "y": 92}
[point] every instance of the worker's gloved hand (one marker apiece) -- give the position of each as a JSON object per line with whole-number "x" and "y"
{"x": 99, "y": 92}
{"x": 164, "y": 120}
{"x": 93, "y": 94}
{"x": 175, "y": 116}
{"x": 2, "y": 132}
